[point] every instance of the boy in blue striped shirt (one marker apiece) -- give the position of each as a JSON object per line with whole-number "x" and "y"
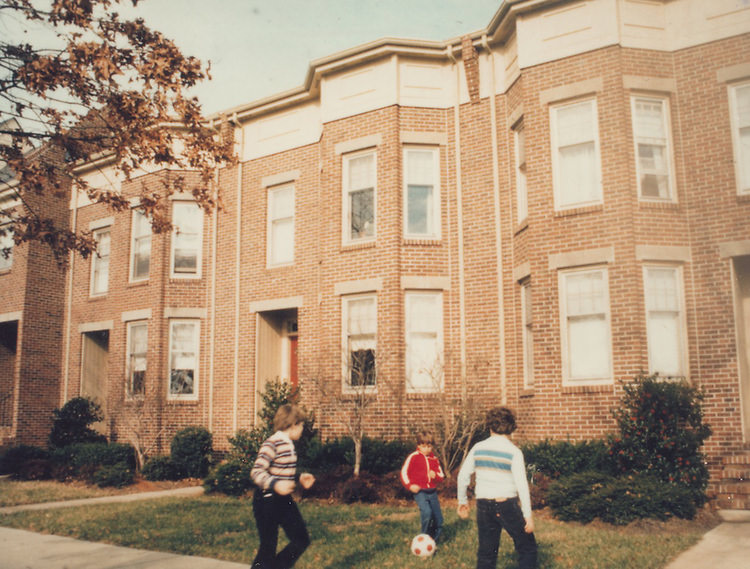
{"x": 502, "y": 491}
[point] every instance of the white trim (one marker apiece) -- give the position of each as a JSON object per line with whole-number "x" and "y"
{"x": 11, "y": 316}
{"x": 649, "y": 84}
{"x": 101, "y": 223}
{"x": 666, "y": 118}
{"x": 571, "y": 259}
{"x": 578, "y": 90}
{"x": 673, "y": 253}
{"x": 271, "y": 193}
{"x": 345, "y": 369}
{"x": 357, "y": 144}
{"x": 437, "y": 295}
{"x": 199, "y": 246}
{"x": 281, "y": 178}
{"x": 739, "y": 167}
{"x": 191, "y": 313}
{"x": 96, "y": 326}
{"x": 129, "y": 395}
{"x": 732, "y": 73}
{"x": 142, "y": 314}
{"x": 135, "y": 212}
{"x": 96, "y": 260}
{"x": 358, "y": 287}
{"x": 426, "y": 138}
{"x": 414, "y": 282}
{"x": 734, "y": 248}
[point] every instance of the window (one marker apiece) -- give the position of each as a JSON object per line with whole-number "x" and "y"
{"x": 183, "y": 359}
{"x": 652, "y": 148}
{"x": 528, "y": 334}
{"x": 187, "y": 218}
{"x": 359, "y": 197}
{"x": 575, "y": 155}
{"x": 522, "y": 207}
{"x": 281, "y": 225}
{"x": 100, "y": 262}
{"x": 424, "y": 341}
{"x": 360, "y": 326}
{"x": 739, "y": 100}
{"x": 6, "y": 247}
{"x": 665, "y": 321}
{"x": 421, "y": 193}
{"x": 140, "y": 246}
{"x": 136, "y": 362}
{"x": 584, "y": 306}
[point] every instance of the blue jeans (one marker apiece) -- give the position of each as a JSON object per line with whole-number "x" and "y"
{"x": 492, "y": 518}
{"x": 429, "y": 512}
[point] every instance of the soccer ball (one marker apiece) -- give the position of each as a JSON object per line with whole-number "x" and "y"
{"x": 423, "y": 545}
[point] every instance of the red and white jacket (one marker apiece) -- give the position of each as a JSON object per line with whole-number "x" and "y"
{"x": 416, "y": 470}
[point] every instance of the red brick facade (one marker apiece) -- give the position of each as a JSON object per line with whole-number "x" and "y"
{"x": 483, "y": 252}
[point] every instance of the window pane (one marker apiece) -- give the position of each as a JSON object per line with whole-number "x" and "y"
{"x": 585, "y": 293}
{"x": 420, "y": 167}
{"x": 362, "y": 206}
{"x": 664, "y": 343}
{"x": 661, "y": 293}
{"x": 141, "y": 246}
{"x": 743, "y": 106}
{"x": 183, "y": 358}
{"x": 578, "y": 174}
{"x": 186, "y": 239}
{"x": 744, "y": 157}
{"x": 420, "y": 210}
{"x": 282, "y": 203}
{"x": 588, "y": 345}
{"x": 362, "y": 172}
{"x": 361, "y": 316}
{"x": 362, "y": 367}
{"x": 100, "y": 267}
{"x": 282, "y": 241}
{"x": 650, "y": 119}
{"x": 575, "y": 124}
{"x": 423, "y": 366}
{"x": 137, "y": 358}
{"x": 6, "y": 242}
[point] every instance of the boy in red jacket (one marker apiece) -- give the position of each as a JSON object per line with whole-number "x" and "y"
{"x": 420, "y": 474}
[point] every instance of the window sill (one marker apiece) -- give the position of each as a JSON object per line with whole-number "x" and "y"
{"x": 4, "y": 271}
{"x": 743, "y": 198}
{"x": 98, "y": 297}
{"x": 135, "y": 284}
{"x": 526, "y": 393}
{"x": 419, "y": 395}
{"x": 596, "y": 208}
{"x": 186, "y": 401}
{"x": 521, "y": 227}
{"x": 579, "y": 389}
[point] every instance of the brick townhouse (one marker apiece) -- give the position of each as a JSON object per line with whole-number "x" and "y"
{"x": 526, "y": 215}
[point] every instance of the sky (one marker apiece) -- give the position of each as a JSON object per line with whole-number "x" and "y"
{"x": 258, "y": 48}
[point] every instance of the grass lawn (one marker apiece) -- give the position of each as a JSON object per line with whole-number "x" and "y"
{"x": 355, "y": 536}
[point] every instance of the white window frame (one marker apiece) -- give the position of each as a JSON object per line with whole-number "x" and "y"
{"x": 174, "y": 241}
{"x": 527, "y": 333}
{"x": 741, "y": 168}
{"x": 561, "y": 202}
{"x": 565, "y": 331}
{"x": 274, "y": 221}
{"x": 679, "y": 309}
{"x": 196, "y": 357}
{"x": 135, "y": 241}
{"x": 346, "y": 197}
{"x": 433, "y": 230}
{"x": 522, "y": 194}
{"x": 130, "y": 357}
{"x": 367, "y": 338}
{"x": 413, "y": 331}
{"x": 100, "y": 262}
{"x": 6, "y": 242}
{"x": 666, "y": 142}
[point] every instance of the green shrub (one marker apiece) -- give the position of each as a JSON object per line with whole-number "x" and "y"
{"x": 327, "y": 455}
{"x": 563, "y": 458}
{"x": 231, "y": 478}
{"x": 14, "y": 458}
{"x": 117, "y": 475}
{"x": 661, "y": 431}
{"x": 618, "y": 500}
{"x": 71, "y": 423}
{"x": 83, "y": 460}
{"x": 191, "y": 452}
{"x": 380, "y": 456}
{"x": 245, "y": 444}
{"x": 159, "y": 468}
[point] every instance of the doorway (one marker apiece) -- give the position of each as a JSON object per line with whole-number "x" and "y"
{"x": 8, "y": 348}
{"x": 94, "y": 359}
{"x": 276, "y": 344}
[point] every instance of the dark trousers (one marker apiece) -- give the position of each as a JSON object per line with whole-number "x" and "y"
{"x": 272, "y": 511}
{"x": 492, "y": 518}
{"x": 430, "y": 514}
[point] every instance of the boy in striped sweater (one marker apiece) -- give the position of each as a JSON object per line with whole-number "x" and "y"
{"x": 502, "y": 491}
{"x": 274, "y": 474}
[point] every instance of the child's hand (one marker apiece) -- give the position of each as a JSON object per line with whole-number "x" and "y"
{"x": 414, "y": 488}
{"x": 432, "y": 474}
{"x": 284, "y": 487}
{"x": 529, "y": 527}
{"x": 463, "y": 511}
{"x": 306, "y": 480}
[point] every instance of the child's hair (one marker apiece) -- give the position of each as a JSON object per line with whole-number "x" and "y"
{"x": 425, "y": 437}
{"x": 287, "y": 416}
{"x": 501, "y": 420}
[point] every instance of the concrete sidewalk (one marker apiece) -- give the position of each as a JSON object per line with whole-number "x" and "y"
{"x": 727, "y": 546}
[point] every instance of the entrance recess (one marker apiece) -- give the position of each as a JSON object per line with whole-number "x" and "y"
{"x": 742, "y": 321}
{"x": 94, "y": 356}
{"x": 276, "y": 346}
